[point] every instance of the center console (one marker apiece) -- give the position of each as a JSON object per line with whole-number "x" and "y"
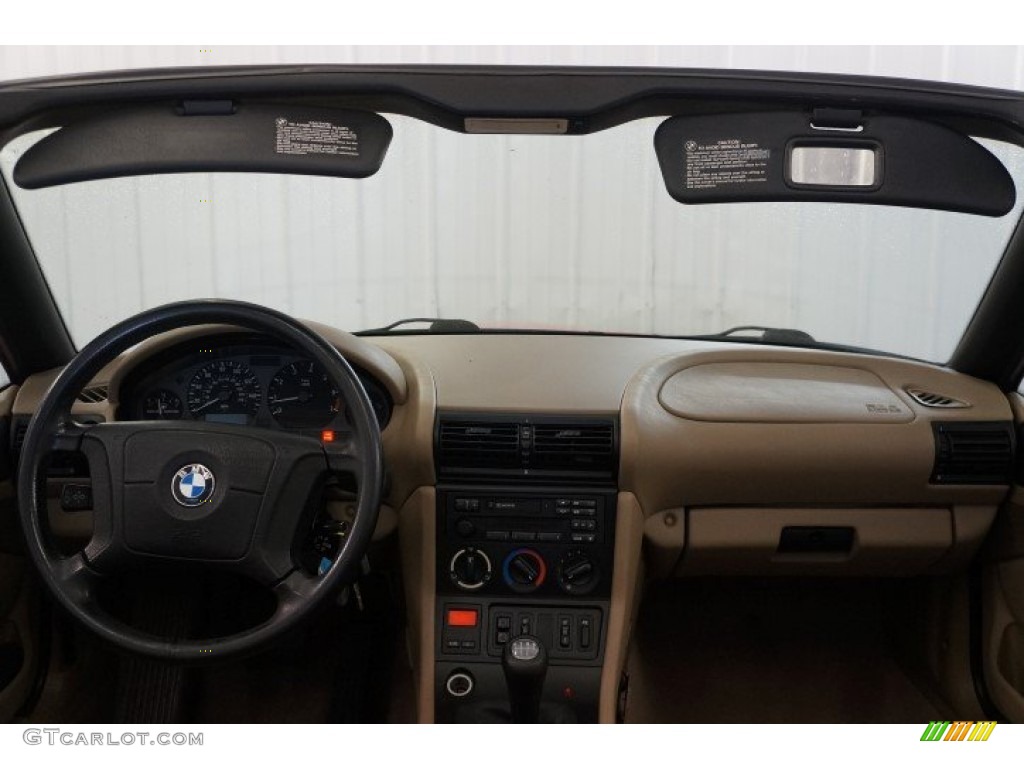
{"x": 525, "y": 536}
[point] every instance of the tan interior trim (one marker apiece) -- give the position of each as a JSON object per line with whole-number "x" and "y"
{"x": 1003, "y": 636}
{"x": 627, "y": 581}
{"x": 781, "y": 392}
{"x": 416, "y": 537}
{"x": 408, "y": 439}
{"x": 669, "y": 461}
{"x": 664, "y": 540}
{"x": 7, "y": 398}
{"x": 532, "y": 373}
{"x": 892, "y": 542}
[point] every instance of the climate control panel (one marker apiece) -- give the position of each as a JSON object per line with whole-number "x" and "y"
{"x": 538, "y": 543}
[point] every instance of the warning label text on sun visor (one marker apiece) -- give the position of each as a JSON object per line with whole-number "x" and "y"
{"x": 749, "y": 157}
{"x": 315, "y": 137}
{"x": 711, "y": 164}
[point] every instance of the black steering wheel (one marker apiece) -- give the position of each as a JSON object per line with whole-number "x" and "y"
{"x": 198, "y": 494}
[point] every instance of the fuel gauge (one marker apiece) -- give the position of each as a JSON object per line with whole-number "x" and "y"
{"x": 162, "y": 404}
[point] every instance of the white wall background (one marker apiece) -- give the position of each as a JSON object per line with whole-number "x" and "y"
{"x": 336, "y": 250}
{"x": 996, "y": 66}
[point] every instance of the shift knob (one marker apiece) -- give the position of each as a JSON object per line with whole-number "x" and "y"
{"x": 525, "y": 663}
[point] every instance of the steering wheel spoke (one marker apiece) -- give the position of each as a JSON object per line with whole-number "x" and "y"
{"x": 343, "y": 457}
{"x": 68, "y": 436}
{"x": 77, "y": 578}
{"x": 293, "y": 591}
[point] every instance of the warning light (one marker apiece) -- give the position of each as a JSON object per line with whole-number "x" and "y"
{"x": 327, "y": 436}
{"x": 568, "y": 692}
{"x": 463, "y": 618}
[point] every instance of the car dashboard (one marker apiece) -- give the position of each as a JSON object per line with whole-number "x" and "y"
{"x": 537, "y": 481}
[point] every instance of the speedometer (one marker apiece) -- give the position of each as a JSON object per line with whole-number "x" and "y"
{"x": 226, "y": 391}
{"x": 302, "y": 396}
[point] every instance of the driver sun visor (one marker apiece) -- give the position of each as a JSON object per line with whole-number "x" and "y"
{"x": 208, "y": 136}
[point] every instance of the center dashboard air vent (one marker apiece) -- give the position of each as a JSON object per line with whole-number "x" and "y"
{"x": 535, "y": 447}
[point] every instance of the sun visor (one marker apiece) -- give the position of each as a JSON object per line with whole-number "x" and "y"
{"x": 202, "y": 136}
{"x": 834, "y": 156}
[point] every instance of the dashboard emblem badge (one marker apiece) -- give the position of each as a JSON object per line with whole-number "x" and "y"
{"x": 192, "y": 485}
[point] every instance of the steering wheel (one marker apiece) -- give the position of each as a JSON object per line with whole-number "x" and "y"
{"x": 187, "y": 494}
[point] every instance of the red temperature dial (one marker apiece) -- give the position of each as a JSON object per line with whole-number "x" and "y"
{"x": 524, "y": 570}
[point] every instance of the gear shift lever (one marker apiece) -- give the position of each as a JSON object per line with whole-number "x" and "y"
{"x": 525, "y": 663}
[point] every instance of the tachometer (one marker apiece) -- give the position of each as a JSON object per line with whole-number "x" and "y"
{"x": 302, "y": 396}
{"x": 161, "y": 404}
{"x": 225, "y": 390}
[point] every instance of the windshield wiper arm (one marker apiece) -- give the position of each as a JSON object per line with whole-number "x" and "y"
{"x": 434, "y": 325}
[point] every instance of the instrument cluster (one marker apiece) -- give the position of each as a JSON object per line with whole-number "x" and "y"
{"x": 253, "y": 383}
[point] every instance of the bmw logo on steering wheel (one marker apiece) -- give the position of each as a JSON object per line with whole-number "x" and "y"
{"x": 192, "y": 485}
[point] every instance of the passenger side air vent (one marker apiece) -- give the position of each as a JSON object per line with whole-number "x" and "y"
{"x": 932, "y": 400}
{"x": 541, "y": 448}
{"x": 93, "y": 394}
{"x": 572, "y": 446}
{"x": 973, "y": 453}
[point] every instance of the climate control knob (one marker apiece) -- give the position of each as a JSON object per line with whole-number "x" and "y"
{"x": 524, "y": 570}
{"x": 470, "y": 568}
{"x": 577, "y": 572}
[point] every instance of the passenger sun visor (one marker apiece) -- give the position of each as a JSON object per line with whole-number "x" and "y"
{"x": 208, "y": 136}
{"x": 830, "y": 155}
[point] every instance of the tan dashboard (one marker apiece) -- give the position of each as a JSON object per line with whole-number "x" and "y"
{"x": 806, "y": 436}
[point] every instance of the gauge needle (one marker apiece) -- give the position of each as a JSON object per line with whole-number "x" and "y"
{"x": 284, "y": 400}
{"x": 206, "y": 405}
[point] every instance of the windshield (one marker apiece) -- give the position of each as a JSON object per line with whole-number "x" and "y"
{"x": 565, "y": 233}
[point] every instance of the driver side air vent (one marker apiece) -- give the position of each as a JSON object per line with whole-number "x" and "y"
{"x": 18, "y": 431}
{"x": 95, "y": 394}
{"x": 479, "y": 443}
{"x": 973, "y": 453}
